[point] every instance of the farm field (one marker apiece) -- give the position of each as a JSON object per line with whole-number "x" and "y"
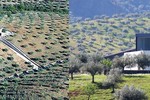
{"x": 80, "y": 80}
{"x": 9, "y": 58}
{"x": 43, "y": 36}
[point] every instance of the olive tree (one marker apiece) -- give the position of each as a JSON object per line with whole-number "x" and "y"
{"x": 74, "y": 66}
{"x": 122, "y": 62}
{"x": 93, "y": 65}
{"x": 93, "y": 69}
{"x": 142, "y": 60}
{"x": 113, "y": 77}
{"x": 83, "y": 57}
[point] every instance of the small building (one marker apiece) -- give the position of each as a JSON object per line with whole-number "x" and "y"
{"x": 4, "y": 32}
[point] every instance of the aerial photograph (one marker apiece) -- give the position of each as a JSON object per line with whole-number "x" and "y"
{"x": 109, "y": 50}
{"x": 34, "y": 49}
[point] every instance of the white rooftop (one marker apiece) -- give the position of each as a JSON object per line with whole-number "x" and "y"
{"x": 4, "y": 32}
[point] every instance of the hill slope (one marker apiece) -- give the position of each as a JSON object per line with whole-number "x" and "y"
{"x": 107, "y": 35}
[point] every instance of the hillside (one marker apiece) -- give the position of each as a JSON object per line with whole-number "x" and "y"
{"x": 90, "y": 8}
{"x": 108, "y": 35}
{"x": 43, "y": 37}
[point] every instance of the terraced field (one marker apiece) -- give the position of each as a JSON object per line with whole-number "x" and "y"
{"x": 43, "y": 36}
{"x": 10, "y": 62}
{"x": 107, "y": 35}
{"x": 44, "y": 84}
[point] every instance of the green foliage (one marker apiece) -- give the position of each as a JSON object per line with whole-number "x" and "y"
{"x": 82, "y": 80}
{"x": 93, "y": 69}
{"x": 89, "y": 90}
{"x": 95, "y": 57}
{"x": 106, "y": 65}
{"x": 36, "y": 6}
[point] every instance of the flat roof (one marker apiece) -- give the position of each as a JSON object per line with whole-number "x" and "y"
{"x": 143, "y": 35}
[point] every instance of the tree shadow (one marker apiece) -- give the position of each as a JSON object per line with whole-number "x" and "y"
{"x": 79, "y": 79}
{"x": 98, "y": 84}
{"x": 133, "y": 76}
{"x": 121, "y": 81}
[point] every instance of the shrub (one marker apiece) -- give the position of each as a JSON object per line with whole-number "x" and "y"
{"x": 130, "y": 93}
{"x": 4, "y": 30}
{"x": 38, "y": 50}
{"x": 5, "y": 50}
{"x": 30, "y": 53}
{"x": 8, "y": 70}
{"x": 89, "y": 90}
{"x": 15, "y": 65}
{"x": 10, "y": 58}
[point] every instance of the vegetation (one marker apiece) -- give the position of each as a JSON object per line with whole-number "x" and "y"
{"x": 143, "y": 61}
{"x": 108, "y": 35}
{"x": 95, "y": 65}
{"x": 93, "y": 69}
{"x": 123, "y": 62}
{"x": 76, "y": 86}
{"x": 113, "y": 77}
{"x": 43, "y": 6}
{"x": 74, "y": 66}
{"x": 42, "y": 34}
{"x": 130, "y": 93}
{"x": 107, "y": 64}
{"x": 89, "y": 90}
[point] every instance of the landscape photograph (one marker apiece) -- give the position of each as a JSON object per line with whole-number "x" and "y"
{"x": 34, "y": 49}
{"x": 109, "y": 49}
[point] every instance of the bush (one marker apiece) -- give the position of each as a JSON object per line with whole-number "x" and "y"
{"x": 15, "y": 65}
{"x": 4, "y": 30}
{"x": 5, "y": 50}
{"x": 113, "y": 76}
{"x": 116, "y": 73}
{"x": 10, "y": 58}
{"x": 130, "y": 93}
{"x": 89, "y": 90}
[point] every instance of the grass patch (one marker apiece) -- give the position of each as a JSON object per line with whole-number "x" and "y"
{"x": 80, "y": 80}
